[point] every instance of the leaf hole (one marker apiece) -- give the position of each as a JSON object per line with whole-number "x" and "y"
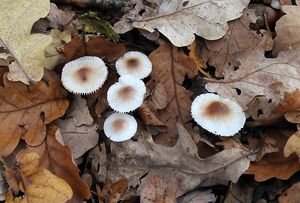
{"x": 185, "y": 3}
{"x": 42, "y": 116}
{"x": 259, "y": 112}
{"x": 235, "y": 68}
{"x": 142, "y": 12}
{"x": 238, "y": 91}
{"x": 270, "y": 101}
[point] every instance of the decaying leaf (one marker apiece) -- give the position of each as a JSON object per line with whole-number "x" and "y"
{"x": 179, "y": 20}
{"x": 94, "y": 46}
{"x": 38, "y": 183}
{"x": 198, "y": 196}
{"x": 16, "y": 20}
{"x": 239, "y": 38}
{"x": 179, "y": 164}
{"x": 257, "y": 76}
{"x": 169, "y": 69}
{"x": 25, "y": 110}
{"x": 290, "y": 195}
{"x": 293, "y": 145}
{"x": 275, "y": 164}
{"x": 58, "y": 159}
{"x": 59, "y": 18}
{"x": 287, "y": 29}
{"x": 53, "y": 52}
{"x": 77, "y": 130}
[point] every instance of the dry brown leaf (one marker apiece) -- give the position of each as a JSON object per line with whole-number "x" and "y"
{"x": 257, "y": 76}
{"x": 169, "y": 69}
{"x": 77, "y": 129}
{"x": 94, "y": 46}
{"x": 238, "y": 38}
{"x": 293, "y": 145}
{"x": 59, "y": 18}
{"x": 275, "y": 164}
{"x": 148, "y": 117}
{"x": 16, "y": 20}
{"x": 291, "y": 195}
{"x": 25, "y": 110}
{"x": 38, "y": 183}
{"x": 198, "y": 196}
{"x": 287, "y": 29}
{"x": 179, "y": 20}
{"x": 180, "y": 164}
{"x": 98, "y": 159}
{"x": 58, "y": 159}
{"x": 239, "y": 192}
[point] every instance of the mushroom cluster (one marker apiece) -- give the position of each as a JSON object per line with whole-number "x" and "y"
{"x": 87, "y": 74}
{"x": 218, "y": 115}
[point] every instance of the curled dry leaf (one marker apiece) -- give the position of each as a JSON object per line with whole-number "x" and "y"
{"x": 58, "y": 159}
{"x": 293, "y": 145}
{"x": 25, "y": 110}
{"x": 262, "y": 77}
{"x": 77, "y": 130}
{"x": 94, "y": 46}
{"x": 180, "y": 164}
{"x": 275, "y": 164}
{"x": 179, "y": 20}
{"x": 38, "y": 183}
{"x": 169, "y": 69}
{"x": 27, "y": 50}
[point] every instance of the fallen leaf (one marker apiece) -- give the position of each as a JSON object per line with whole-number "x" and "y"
{"x": 257, "y": 76}
{"x": 238, "y": 38}
{"x": 16, "y": 20}
{"x": 59, "y": 18}
{"x": 95, "y": 46}
{"x": 98, "y": 159}
{"x": 292, "y": 145}
{"x": 179, "y": 20}
{"x": 169, "y": 69}
{"x": 58, "y": 159}
{"x": 179, "y": 164}
{"x": 239, "y": 192}
{"x": 290, "y": 195}
{"x": 38, "y": 184}
{"x": 198, "y": 196}
{"x": 275, "y": 164}
{"x": 148, "y": 117}
{"x": 77, "y": 129}
{"x": 25, "y": 110}
{"x": 287, "y": 29}
{"x": 53, "y": 52}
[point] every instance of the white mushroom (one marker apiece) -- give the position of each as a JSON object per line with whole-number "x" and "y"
{"x": 134, "y": 63}
{"x": 218, "y": 115}
{"x": 84, "y": 75}
{"x": 127, "y": 94}
{"x": 120, "y": 127}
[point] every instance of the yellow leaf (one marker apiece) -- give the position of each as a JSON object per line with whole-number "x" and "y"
{"x": 292, "y": 145}
{"x": 39, "y": 184}
{"x": 16, "y": 20}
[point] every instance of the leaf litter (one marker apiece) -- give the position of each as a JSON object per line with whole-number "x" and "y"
{"x": 52, "y": 144}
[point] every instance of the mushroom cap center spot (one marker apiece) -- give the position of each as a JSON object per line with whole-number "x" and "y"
{"x": 217, "y": 108}
{"x": 126, "y": 92}
{"x": 119, "y": 124}
{"x": 84, "y": 73}
{"x": 132, "y": 63}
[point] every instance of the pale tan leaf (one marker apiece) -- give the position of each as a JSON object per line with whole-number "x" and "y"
{"x": 179, "y": 20}
{"x": 16, "y": 20}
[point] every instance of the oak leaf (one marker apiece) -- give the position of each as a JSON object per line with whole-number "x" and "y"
{"x": 290, "y": 195}
{"x": 257, "y": 76}
{"x": 25, "y": 110}
{"x": 77, "y": 129}
{"x": 179, "y": 20}
{"x": 170, "y": 66}
{"x": 179, "y": 164}
{"x": 58, "y": 159}
{"x": 16, "y": 20}
{"x": 38, "y": 183}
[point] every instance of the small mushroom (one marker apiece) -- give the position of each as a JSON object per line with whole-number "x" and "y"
{"x": 84, "y": 75}
{"x": 127, "y": 94}
{"x": 218, "y": 115}
{"x": 120, "y": 127}
{"x": 134, "y": 63}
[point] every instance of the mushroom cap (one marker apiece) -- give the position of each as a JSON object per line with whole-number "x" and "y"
{"x": 120, "y": 127}
{"x": 127, "y": 94}
{"x": 84, "y": 75}
{"x": 134, "y": 63}
{"x": 218, "y": 115}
